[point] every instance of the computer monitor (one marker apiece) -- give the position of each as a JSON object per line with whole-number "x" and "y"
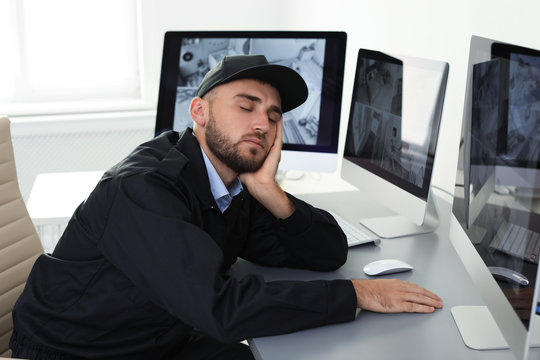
{"x": 392, "y": 138}
{"x": 503, "y": 261}
{"x": 518, "y": 141}
{"x": 311, "y": 131}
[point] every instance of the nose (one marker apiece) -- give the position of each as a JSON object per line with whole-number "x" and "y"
{"x": 261, "y": 122}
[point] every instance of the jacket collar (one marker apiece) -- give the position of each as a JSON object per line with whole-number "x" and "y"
{"x": 184, "y": 161}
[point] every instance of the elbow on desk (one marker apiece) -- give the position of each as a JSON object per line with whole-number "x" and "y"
{"x": 224, "y": 329}
{"x": 224, "y": 336}
{"x": 336, "y": 255}
{"x": 336, "y": 262}
{"x": 333, "y": 251}
{"x": 326, "y": 258}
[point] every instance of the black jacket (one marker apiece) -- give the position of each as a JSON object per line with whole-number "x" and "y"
{"x": 145, "y": 259}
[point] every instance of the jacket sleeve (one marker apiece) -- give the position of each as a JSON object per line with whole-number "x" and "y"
{"x": 310, "y": 239}
{"x": 177, "y": 265}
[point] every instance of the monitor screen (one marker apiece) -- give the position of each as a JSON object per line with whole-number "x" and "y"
{"x": 387, "y": 135}
{"x": 502, "y": 123}
{"x": 319, "y": 57}
{"x": 392, "y": 135}
{"x": 481, "y": 140}
{"x": 520, "y": 96}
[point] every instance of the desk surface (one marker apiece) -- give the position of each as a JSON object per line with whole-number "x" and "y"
{"x": 55, "y": 196}
{"x": 384, "y": 336}
{"x": 372, "y": 335}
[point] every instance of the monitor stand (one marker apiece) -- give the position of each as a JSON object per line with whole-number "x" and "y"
{"x": 479, "y": 330}
{"x": 399, "y": 225}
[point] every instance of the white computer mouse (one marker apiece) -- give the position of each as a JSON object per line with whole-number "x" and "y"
{"x": 386, "y": 266}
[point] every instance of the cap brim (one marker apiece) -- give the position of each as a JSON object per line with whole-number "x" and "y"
{"x": 291, "y": 86}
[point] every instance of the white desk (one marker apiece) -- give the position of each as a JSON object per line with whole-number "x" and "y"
{"x": 53, "y": 199}
{"x": 384, "y": 336}
{"x": 55, "y": 196}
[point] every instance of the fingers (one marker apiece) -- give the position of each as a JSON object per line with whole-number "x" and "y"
{"x": 412, "y": 287}
{"x": 417, "y": 308}
{"x": 418, "y": 303}
{"x": 421, "y": 295}
{"x": 279, "y": 133}
{"x": 275, "y": 149}
{"x": 267, "y": 172}
{"x": 392, "y": 295}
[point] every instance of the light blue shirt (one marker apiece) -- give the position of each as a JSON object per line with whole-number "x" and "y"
{"x": 221, "y": 193}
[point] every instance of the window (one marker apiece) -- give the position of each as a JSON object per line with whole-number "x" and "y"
{"x": 62, "y": 56}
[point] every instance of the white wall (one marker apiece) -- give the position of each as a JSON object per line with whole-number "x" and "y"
{"x": 81, "y": 142}
{"x": 423, "y": 28}
{"x": 159, "y": 16}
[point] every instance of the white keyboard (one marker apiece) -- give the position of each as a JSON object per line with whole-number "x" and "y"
{"x": 355, "y": 235}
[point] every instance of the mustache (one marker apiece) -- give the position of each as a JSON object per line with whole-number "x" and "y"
{"x": 259, "y": 136}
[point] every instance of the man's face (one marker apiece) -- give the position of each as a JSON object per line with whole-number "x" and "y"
{"x": 242, "y": 123}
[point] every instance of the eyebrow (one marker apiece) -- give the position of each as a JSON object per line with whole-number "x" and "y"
{"x": 258, "y": 100}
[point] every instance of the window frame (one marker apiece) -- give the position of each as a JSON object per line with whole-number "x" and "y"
{"x": 26, "y": 107}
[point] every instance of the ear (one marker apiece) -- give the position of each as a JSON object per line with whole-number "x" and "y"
{"x": 197, "y": 110}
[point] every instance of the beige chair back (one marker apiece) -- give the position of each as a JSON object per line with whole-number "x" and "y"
{"x": 19, "y": 242}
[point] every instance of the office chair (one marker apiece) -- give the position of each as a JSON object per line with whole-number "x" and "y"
{"x": 19, "y": 242}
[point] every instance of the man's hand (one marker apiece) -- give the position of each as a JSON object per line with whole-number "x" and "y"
{"x": 393, "y": 296}
{"x": 261, "y": 184}
{"x": 267, "y": 172}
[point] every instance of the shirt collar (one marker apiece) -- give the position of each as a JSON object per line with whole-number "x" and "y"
{"x": 222, "y": 195}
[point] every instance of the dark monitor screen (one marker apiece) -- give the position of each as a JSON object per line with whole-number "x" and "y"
{"x": 319, "y": 57}
{"x": 487, "y": 108}
{"x": 518, "y": 141}
{"x": 386, "y": 134}
{"x": 501, "y": 150}
{"x": 481, "y": 140}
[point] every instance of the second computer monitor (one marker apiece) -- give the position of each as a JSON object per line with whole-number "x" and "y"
{"x": 311, "y": 131}
{"x": 392, "y": 137}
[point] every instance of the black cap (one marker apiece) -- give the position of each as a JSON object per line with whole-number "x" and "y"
{"x": 291, "y": 86}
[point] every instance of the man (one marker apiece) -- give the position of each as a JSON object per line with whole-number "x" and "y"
{"x": 142, "y": 268}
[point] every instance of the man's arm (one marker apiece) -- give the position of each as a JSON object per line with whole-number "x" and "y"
{"x": 178, "y": 267}
{"x": 383, "y": 295}
{"x": 302, "y": 236}
{"x": 308, "y": 239}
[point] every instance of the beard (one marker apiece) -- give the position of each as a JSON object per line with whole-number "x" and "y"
{"x": 229, "y": 153}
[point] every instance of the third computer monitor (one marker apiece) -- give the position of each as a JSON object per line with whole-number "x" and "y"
{"x": 498, "y": 178}
{"x": 392, "y": 137}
